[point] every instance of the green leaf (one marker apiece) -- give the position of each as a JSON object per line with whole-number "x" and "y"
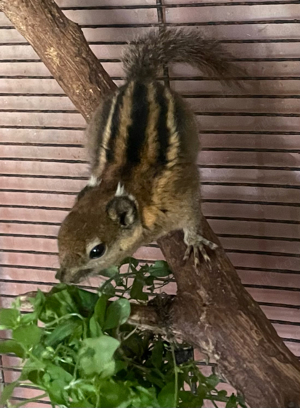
{"x": 107, "y": 289}
{"x": 55, "y": 380}
{"x": 7, "y": 392}
{"x": 130, "y": 261}
{"x": 28, "y": 318}
{"x": 95, "y": 328}
{"x": 160, "y": 269}
{"x": 8, "y": 318}
{"x": 145, "y": 398}
{"x": 81, "y": 404}
{"x": 63, "y": 330}
{"x": 157, "y": 354}
{"x": 85, "y": 300}
{"x": 109, "y": 272}
{"x": 114, "y": 394}
{"x": 232, "y": 402}
{"x": 28, "y": 336}
{"x": 117, "y": 314}
{"x": 32, "y": 365}
{"x": 188, "y": 400}
{"x": 166, "y": 398}
{"x": 96, "y": 356}
{"x": 120, "y": 365}
{"x": 137, "y": 288}
{"x": 59, "y": 303}
{"x": 222, "y": 395}
{"x": 12, "y": 346}
{"x": 212, "y": 380}
{"x": 100, "y": 309}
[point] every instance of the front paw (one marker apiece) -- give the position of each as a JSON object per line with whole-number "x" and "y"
{"x": 196, "y": 244}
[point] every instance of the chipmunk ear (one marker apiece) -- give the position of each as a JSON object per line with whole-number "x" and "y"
{"x": 123, "y": 210}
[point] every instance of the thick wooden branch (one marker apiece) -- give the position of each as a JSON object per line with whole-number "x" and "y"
{"x": 212, "y": 308}
{"x": 214, "y": 312}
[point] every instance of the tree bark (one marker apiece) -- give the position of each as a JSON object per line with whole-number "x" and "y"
{"x": 212, "y": 309}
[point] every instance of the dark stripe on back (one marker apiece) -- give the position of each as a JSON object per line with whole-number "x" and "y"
{"x": 163, "y": 134}
{"x": 103, "y": 118}
{"x": 137, "y": 129}
{"x": 115, "y": 122}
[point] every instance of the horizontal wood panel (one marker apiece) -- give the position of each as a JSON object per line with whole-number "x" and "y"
{"x": 275, "y": 296}
{"x": 239, "y": 260}
{"x": 40, "y": 136}
{"x": 282, "y": 314}
{"x": 208, "y": 175}
{"x": 39, "y": 244}
{"x": 205, "y": 158}
{"x": 44, "y": 168}
{"x": 40, "y": 119}
{"x": 220, "y": 192}
{"x": 105, "y": 34}
{"x": 233, "y": 32}
{"x": 246, "y": 228}
{"x": 177, "y": 16}
{"x": 17, "y": 183}
{"x": 261, "y": 106}
{"x": 267, "y": 262}
{"x": 207, "y": 122}
{"x": 271, "y": 279}
{"x": 36, "y": 103}
{"x": 69, "y": 185}
{"x": 259, "y": 229}
{"x": 217, "y": 2}
{"x": 79, "y": 170}
{"x": 38, "y": 69}
{"x": 43, "y": 152}
{"x": 205, "y": 87}
{"x": 248, "y": 158}
{"x": 32, "y": 215}
{"x": 251, "y": 141}
{"x": 105, "y": 3}
{"x": 251, "y": 213}
{"x": 232, "y": 13}
{"x": 29, "y": 228}
{"x": 86, "y": 17}
{"x": 248, "y": 193}
{"x": 260, "y": 295}
{"x": 193, "y": 87}
{"x": 262, "y": 69}
{"x": 114, "y": 51}
{"x": 223, "y": 104}
{"x": 19, "y": 276}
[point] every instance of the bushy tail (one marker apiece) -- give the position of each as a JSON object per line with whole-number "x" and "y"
{"x": 146, "y": 56}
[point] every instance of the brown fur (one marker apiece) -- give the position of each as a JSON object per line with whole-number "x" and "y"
{"x": 143, "y": 144}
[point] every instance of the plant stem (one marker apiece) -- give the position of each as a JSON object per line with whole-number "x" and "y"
{"x": 175, "y": 374}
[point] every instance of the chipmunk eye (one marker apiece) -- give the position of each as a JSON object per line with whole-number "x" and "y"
{"x": 97, "y": 251}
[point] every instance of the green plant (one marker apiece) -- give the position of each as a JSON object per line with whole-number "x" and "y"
{"x": 79, "y": 350}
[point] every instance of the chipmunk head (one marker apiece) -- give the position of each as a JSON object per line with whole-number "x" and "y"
{"x": 100, "y": 231}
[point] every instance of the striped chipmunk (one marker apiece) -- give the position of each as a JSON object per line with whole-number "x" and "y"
{"x": 143, "y": 146}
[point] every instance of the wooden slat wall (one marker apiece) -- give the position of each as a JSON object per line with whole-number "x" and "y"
{"x": 250, "y": 162}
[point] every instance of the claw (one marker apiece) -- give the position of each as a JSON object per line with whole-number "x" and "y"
{"x": 187, "y": 252}
{"x": 196, "y": 246}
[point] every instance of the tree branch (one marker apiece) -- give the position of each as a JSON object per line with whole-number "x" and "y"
{"x": 212, "y": 309}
